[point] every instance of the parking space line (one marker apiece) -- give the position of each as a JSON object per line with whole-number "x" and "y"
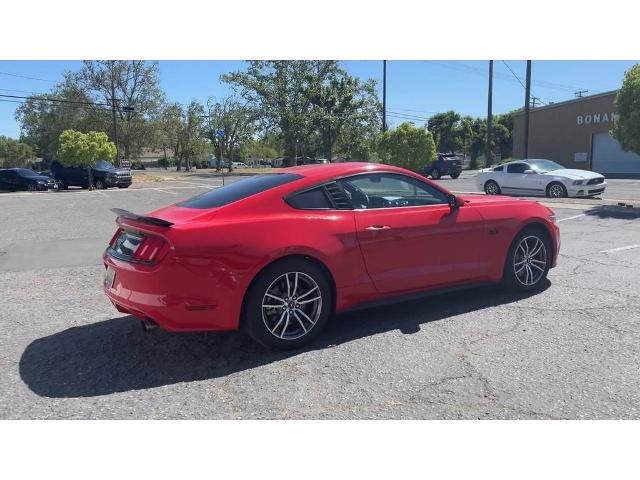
{"x": 571, "y": 218}
{"x": 620, "y": 249}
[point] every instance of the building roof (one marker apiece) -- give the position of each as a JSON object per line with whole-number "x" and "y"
{"x": 566, "y": 102}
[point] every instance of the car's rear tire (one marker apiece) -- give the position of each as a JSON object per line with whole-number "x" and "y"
{"x": 492, "y": 188}
{"x": 62, "y": 185}
{"x": 435, "y": 174}
{"x": 556, "y": 190}
{"x": 528, "y": 260}
{"x": 288, "y": 304}
{"x": 455, "y": 175}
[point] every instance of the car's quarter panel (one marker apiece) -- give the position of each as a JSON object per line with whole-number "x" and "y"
{"x": 415, "y": 248}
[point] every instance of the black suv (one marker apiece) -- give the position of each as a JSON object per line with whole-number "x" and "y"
{"x": 13, "y": 179}
{"x": 445, "y": 164}
{"x": 104, "y": 175}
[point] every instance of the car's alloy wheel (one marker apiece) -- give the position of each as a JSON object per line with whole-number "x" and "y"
{"x": 435, "y": 174}
{"x": 556, "y": 190}
{"x": 62, "y": 185}
{"x": 530, "y": 261}
{"x": 31, "y": 187}
{"x": 100, "y": 185}
{"x": 291, "y": 306}
{"x": 491, "y": 188}
{"x": 288, "y": 304}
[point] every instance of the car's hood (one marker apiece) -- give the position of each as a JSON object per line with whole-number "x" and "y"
{"x": 573, "y": 174}
{"x": 113, "y": 171}
{"x": 41, "y": 178}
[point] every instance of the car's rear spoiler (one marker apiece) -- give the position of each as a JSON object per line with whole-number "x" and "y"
{"x": 140, "y": 218}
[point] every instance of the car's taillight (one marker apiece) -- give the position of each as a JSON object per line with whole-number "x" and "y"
{"x": 115, "y": 237}
{"x": 152, "y": 249}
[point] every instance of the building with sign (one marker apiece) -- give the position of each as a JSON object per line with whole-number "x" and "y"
{"x": 576, "y": 134}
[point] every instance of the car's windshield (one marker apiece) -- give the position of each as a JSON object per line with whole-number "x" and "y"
{"x": 542, "y": 166}
{"x": 26, "y": 172}
{"x": 104, "y": 164}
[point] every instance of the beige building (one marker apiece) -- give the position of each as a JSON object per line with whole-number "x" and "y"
{"x": 576, "y": 134}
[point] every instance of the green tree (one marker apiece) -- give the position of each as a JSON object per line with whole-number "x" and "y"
{"x": 135, "y": 86}
{"x": 44, "y": 117}
{"x": 627, "y": 124}
{"x": 14, "y": 153}
{"x": 407, "y": 146}
{"x": 278, "y": 90}
{"x": 338, "y": 102}
{"x": 77, "y": 149}
{"x": 445, "y": 128}
{"x": 192, "y": 142}
{"x": 232, "y": 122}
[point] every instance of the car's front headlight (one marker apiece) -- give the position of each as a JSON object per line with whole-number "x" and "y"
{"x": 40, "y": 182}
{"x": 578, "y": 182}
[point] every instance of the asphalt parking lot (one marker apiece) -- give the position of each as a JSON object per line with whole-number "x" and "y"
{"x": 570, "y": 351}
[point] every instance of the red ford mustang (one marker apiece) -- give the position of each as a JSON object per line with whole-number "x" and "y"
{"x": 278, "y": 254}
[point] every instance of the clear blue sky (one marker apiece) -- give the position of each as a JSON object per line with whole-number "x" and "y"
{"x": 414, "y": 88}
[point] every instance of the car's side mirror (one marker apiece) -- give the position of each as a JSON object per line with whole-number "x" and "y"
{"x": 455, "y": 202}
{"x": 529, "y": 171}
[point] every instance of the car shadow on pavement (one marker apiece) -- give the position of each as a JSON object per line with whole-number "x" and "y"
{"x": 617, "y": 212}
{"x": 117, "y": 356}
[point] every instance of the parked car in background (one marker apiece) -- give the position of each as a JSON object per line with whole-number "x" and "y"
{"x": 14, "y": 179}
{"x": 278, "y": 254}
{"x": 444, "y": 164}
{"x": 239, "y": 165}
{"x": 540, "y": 177}
{"x": 310, "y": 161}
{"x": 104, "y": 175}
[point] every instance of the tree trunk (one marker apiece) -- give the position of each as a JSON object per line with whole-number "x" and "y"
{"x": 230, "y": 158}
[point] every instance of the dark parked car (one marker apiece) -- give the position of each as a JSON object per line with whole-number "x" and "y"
{"x": 310, "y": 161}
{"x": 104, "y": 175}
{"x": 13, "y": 179}
{"x": 445, "y": 164}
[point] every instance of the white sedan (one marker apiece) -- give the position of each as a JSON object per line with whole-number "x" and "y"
{"x": 540, "y": 177}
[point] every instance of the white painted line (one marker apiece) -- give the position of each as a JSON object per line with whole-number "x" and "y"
{"x": 620, "y": 249}
{"x": 167, "y": 191}
{"x": 571, "y": 218}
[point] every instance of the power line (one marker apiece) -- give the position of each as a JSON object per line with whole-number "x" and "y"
{"x": 28, "y": 78}
{"x": 513, "y": 73}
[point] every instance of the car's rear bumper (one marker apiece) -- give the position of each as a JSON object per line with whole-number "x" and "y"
{"x": 171, "y": 295}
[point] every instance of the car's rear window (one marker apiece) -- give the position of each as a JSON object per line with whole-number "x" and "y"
{"x": 219, "y": 197}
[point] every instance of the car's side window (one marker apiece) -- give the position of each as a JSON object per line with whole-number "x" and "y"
{"x": 388, "y": 190}
{"x": 516, "y": 168}
{"x": 314, "y": 199}
{"x": 498, "y": 169}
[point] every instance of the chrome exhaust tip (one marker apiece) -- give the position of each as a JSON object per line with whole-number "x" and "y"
{"x": 148, "y": 325}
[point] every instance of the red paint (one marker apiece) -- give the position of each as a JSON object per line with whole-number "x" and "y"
{"x": 211, "y": 256}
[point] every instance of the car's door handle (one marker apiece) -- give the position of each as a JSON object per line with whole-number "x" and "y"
{"x": 376, "y": 228}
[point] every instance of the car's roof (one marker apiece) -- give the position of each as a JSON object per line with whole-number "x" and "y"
{"x": 319, "y": 171}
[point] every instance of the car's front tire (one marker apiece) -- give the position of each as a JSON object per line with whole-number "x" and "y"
{"x": 288, "y": 304}
{"x": 556, "y": 190}
{"x": 492, "y": 188}
{"x": 528, "y": 260}
{"x": 455, "y": 175}
{"x": 100, "y": 184}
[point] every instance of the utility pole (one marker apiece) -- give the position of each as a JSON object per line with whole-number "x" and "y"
{"x": 488, "y": 153}
{"x": 534, "y": 100}
{"x": 579, "y": 93}
{"x": 113, "y": 112}
{"x": 527, "y": 109}
{"x": 384, "y": 96}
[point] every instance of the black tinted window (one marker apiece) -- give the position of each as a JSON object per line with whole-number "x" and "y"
{"x": 387, "y": 190}
{"x": 498, "y": 169}
{"x": 239, "y": 190}
{"x": 310, "y": 200}
{"x": 516, "y": 168}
